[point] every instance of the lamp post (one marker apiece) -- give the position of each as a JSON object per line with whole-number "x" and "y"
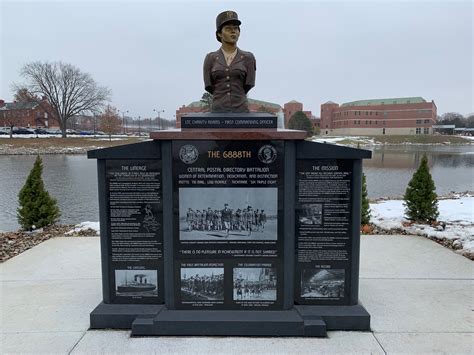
{"x": 159, "y": 119}
{"x": 123, "y": 120}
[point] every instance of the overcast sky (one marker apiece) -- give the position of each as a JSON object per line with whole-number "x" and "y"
{"x": 151, "y": 53}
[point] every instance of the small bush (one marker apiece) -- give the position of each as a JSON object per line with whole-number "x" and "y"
{"x": 37, "y": 208}
{"x": 421, "y": 204}
{"x": 365, "y": 206}
{"x": 301, "y": 122}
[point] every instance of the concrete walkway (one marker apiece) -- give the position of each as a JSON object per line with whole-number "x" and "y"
{"x": 419, "y": 294}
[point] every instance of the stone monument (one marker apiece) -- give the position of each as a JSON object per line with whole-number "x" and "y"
{"x": 230, "y": 226}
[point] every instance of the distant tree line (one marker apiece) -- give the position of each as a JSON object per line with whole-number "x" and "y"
{"x": 454, "y": 118}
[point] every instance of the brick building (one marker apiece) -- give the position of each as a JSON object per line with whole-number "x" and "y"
{"x": 26, "y": 114}
{"x": 199, "y": 106}
{"x": 397, "y": 116}
{"x": 290, "y": 108}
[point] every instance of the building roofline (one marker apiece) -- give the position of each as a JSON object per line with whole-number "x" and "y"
{"x": 386, "y": 101}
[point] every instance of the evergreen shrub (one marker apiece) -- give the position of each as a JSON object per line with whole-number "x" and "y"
{"x": 365, "y": 212}
{"x": 37, "y": 208}
{"x": 420, "y": 199}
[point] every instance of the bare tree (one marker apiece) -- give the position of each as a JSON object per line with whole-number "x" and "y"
{"x": 110, "y": 121}
{"x": 453, "y": 118}
{"x": 69, "y": 91}
{"x": 23, "y": 95}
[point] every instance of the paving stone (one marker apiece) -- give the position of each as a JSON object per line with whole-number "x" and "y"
{"x": 403, "y": 256}
{"x": 56, "y": 259}
{"x": 427, "y": 343}
{"x": 120, "y": 342}
{"x": 39, "y": 343}
{"x": 418, "y": 305}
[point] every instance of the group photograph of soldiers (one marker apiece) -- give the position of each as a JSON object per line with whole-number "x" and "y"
{"x": 255, "y": 284}
{"x": 322, "y": 283}
{"x": 202, "y": 284}
{"x": 241, "y": 215}
{"x": 311, "y": 214}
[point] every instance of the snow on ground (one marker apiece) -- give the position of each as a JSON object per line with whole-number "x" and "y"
{"x": 85, "y": 226}
{"x": 457, "y": 214}
{"x": 336, "y": 139}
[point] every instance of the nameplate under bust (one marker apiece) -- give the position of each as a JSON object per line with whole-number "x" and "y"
{"x": 229, "y": 120}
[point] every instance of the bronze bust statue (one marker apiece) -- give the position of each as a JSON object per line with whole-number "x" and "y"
{"x": 229, "y": 72}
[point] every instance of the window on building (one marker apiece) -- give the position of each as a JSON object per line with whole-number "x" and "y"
{"x": 366, "y": 113}
{"x": 355, "y": 122}
{"x": 418, "y": 130}
{"x": 426, "y": 130}
{"x": 376, "y": 113}
{"x": 419, "y": 121}
{"x": 370, "y": 122}
{"x": 358, "y": 122}
{"x": 370, "y": 113}
{"x": 426, "y": 121}
{"x": 366, "y": 121}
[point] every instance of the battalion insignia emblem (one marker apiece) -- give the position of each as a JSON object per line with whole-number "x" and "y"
{"x": 267, "y": 154}
{"x": 230, "y": 14}
{"x": 188, "y": 154}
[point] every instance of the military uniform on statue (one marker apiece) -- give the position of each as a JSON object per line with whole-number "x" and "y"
{"x": 229, "y": 72}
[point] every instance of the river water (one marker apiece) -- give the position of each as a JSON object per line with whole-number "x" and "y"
{"x": 72, "y": 179}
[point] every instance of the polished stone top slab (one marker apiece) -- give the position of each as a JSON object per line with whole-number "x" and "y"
{"x": 229, "y": 134}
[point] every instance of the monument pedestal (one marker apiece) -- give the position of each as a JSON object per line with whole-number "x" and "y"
{"x": 248, "y": 232}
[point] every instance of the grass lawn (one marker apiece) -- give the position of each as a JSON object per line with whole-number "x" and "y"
{"x": 69, "y": 142}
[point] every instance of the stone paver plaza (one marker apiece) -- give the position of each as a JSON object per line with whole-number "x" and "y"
{"x": 419, "y": 295}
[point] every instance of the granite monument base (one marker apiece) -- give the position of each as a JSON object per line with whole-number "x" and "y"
{"x": 155, "y": 320}
{"x": 230, "y": 232}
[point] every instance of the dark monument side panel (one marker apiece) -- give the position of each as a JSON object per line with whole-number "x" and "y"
{"x": 134, "y": 230}
{"x": 323, "y": 231}
{"x": 228, "y": 224}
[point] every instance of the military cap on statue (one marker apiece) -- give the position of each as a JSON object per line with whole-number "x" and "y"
{"x": 225, "y": 17}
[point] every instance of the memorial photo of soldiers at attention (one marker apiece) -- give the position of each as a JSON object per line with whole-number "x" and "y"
{"x": 136, "y": 283}
{"x": 202, "y": 284}
{"x": 255, "y": 284}
{"x": 322, "y": 283}
{"x": 311, "y": 213}
{"x": 228, "y": 213}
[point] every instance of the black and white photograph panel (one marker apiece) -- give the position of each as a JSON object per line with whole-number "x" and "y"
{"x": 228, "y": 213}
{"x": 311, "y": 213}
{"x": 202, "y": 284}
{"x": 255, "y": 284}
{"x": 322, "y": 283}
{"x": 136, "y": 283}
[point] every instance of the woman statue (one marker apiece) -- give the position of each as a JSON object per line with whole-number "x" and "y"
{"x": 229, "y": 72}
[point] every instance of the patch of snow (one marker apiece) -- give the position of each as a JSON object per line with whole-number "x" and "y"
{"x": 456, "y": 213}
{"x": 353, "y": 139}
{"x": 85, "y": 226}
{"x": 107, "y": 139}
